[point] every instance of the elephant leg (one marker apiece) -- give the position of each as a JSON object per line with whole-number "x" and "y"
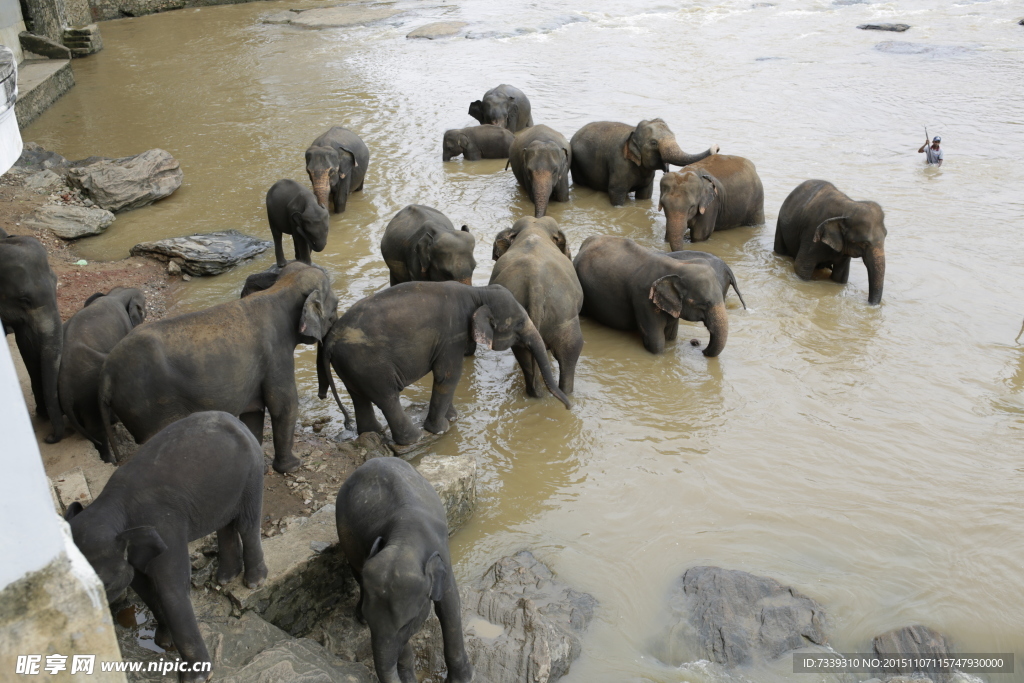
{"x": 780, "y": 244}
{"x": 804, "y": 264}
{"x": 248, "y": 526}
{"x": 33, "y": 366}
{"x": 407, "y": 664}
{"x": 567, "y": 352}
{"x": 360, "y": 617}
{"x": 446, "y": 378}
{"x": 282, "y": 401}
{"x": 170, "y": 579}
{"x": 254, "y": 422}
{"x": 652, "y": 329}
{"x": 403, "y": 431}
{"x": 672, "y": 330}
{"x": 617, "y": 195}
{"x": 449, "y": 613}
{"x": 562, "y": 188}
{"x": 531, "y": 373}
{"x": 279, "y": 250}
{"x": 841, "y": 270}
{"x": 229, "y": 553}
{"x": 366, "y": 419}
{"x": 645, "y": 192}
{"x": 143, "y": 587}
{"x": 302, "y": 251}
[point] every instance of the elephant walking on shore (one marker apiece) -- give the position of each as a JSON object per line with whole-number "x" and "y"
{"x": 336, "y": 163}
{"x": 540, "y": 158}
{"x": 505, "y": 106}
{"x": 534, "y": 263}
{"x": 716, "y": 193}
{"x": 618, "y": 158}
{"x": 823, "y": 228}
{"x": 420, "y": 243}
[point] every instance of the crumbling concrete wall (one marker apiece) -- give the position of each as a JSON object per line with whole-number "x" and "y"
{"x": 11, "y": 24}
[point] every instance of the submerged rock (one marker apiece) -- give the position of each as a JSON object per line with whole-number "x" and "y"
{"x": 913, "y": 642}
{"x": 129, "y": 182}
{"x": 439, "y": 29}
{"x": 898, "y": 28}
{"x": 342, "y": 16}
{"x": 454, "y": 479}
{"x": 732, "y": 617}
{"x": 210, "y": 254}
{"x": 899, "y": 47}
{"x": 71, "y": 222}
{"x": 34, "y": 158}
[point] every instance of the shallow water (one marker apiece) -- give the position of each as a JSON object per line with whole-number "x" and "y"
{"x": 871, "y": 457}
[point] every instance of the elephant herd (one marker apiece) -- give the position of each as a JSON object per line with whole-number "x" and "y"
{"x": 195, "y": 389}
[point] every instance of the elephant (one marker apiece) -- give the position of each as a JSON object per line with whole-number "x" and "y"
{"x": 629, "y": 287}
{"x": 236, "y": 357}
{"x": 89, "y": 336}
{"x": 722, "y": 270}
{"x": 534, "y": 263}
{"x": 823, "y": 228}
{"x": 336, "y": 163}
{"x": 28, "y": 308}
{"x": 293, "y": 210}
{"x": 618, "y": 158}
{"x": 540, "y": 159}
{"x": 715, "y": 193}
{"x": 504, "y": 106}
{"x": 420, "y": 243}
{"x": 201, "y": 474}
{"x": 391, "y": 339}
{"x": 477, "y": 142}
{"x": 393, "y": 531}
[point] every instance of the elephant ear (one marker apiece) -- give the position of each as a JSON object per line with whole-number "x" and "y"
{"x": 830, "y": 231}
{"x": 437, "y": 574}
{"x": 562, "y": 243}
{"x": 73, "y": 511}
{"x": 421, "y": 263}
{"x": 666, "y": 295}
{"x": 476, "y": 110}
{"x": 144, "y": 544}
{"x": 313, "y": 323}
{"x": 3, "y": 234}
{"x": 631, "y": 150}
{"x": 502, "y": 243}
{"x": 257, "y": 282}
{"x": 378, "y": 544}
{"x": 137, "y": 309}
{"x": 709, "y": 193}
{"x": 512, "y": 120}
{"x": 355, "y": 162}
{"x": 481, "y": 327}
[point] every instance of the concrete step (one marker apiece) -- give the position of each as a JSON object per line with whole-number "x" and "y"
{"x": 41, "y": 82}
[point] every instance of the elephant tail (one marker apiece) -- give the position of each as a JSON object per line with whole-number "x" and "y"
{"x": 735, "y": 287}
{"x": 107, "y": 417}
{"x": 325, "y": 376}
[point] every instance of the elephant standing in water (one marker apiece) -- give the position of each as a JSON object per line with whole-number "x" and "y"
{"x": 716, "y": 193}
{"x": 540, "y": 158}
{"x": 823, "y": 228}
{"x": 390, "y": 339}
{"x": 420, "y": 243}
{"x": 722, "y": 270}
{"x": 618, "y": 158}
{"x": 503, "y": 106}
{"x": 534, "y": 263}
{"x": 293, "y": 210}
{"x": 336, "y": 163}
{"x": 476, "y": 143}
{"x": 629, "y": 287}
{"x": 28, "y": 308}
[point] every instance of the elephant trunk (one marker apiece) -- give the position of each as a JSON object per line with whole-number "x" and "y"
{"x": 717, "y": 322}
{"x": 321, "y": 186}
{"x": 542, "y": 184}
{"x": 874, "y": 260}
{"x": 671, "y": 154}
{"x": 50, "y": 362}
{"x": 385, "y": 658}
{"x": 533, "y": 341}
{"x": 675, "y": 228}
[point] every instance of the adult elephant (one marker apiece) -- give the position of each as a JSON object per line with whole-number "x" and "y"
{"x": 336, "y": 163}
{"x": 236, "y": 357}
{"x": 533, "y": 262}
{"x": 89, "y": 336}
{"x": 716, "y": 193}
{"x": 390, "y": 339}
{"x": 823, "y": 228}
{"x": 629, "y": 287}
{"x": 618, "y": 158}
{"x": 28, "y": 308}
{"x": 540, "y": 158}
{"x": 420, "y": 243}
{"x": 722, "y": 270}
{"x": 503, "y": 106}
{"x": 293, "y": 210}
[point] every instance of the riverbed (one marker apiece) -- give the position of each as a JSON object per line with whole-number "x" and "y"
{"x": 870, "y": 457}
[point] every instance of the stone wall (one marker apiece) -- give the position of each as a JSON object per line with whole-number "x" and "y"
{"x": 116, "y": 9}
{"x": 11, "y": 24}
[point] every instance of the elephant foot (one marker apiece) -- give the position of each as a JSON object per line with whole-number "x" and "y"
{"x": 53, "y": 438}
{"x": 195, "y": 676}
{"x": 162, "y": 637}
{"x": 227, "y": 571}
{"x": 438, "y": 426}
{"x": 255, "y": 577}
{"x": 287, "y": 464}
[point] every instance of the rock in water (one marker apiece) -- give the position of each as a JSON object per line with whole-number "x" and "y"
{"x": 342, "y": 16}
{"x": 210, "y": 254}
{"x": 71, "y": 222}
{"x": 732, "y": 617}
{"x": 130, "y": 182}
{"x": 454, "y": 479}
{"x": 898, "y": 28}
{"x": 913, "y": 642}
{"x": 439, "y": 29}
{"x": 34, "y": 158}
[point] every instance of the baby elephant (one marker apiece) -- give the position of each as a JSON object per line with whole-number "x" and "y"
{"x": 293, "y": 210}
{"x": 477, "y": 142}
{"x": 89, "y": 336}
{"x": 540, "y": 158}
{"x": 721, "y": 268}
{"x": 201, "y": 474}
{"x": 420, "y": 243}
{"x": 392, "y": 529}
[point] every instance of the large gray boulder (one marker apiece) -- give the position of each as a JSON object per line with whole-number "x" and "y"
{"x": 70, "y": 222}
{"x": 732, "y": 617}
{"x": 35, "y": 158}
{"x": 896, "y": 28}
{"x": 913, "y": 643}
{"x": 454, "y": 479}
{"x": 129, "y": 182}
{"x": 210, "y": 254}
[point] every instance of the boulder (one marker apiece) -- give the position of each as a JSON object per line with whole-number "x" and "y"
{"x": 897, "y": 28}
{"x": 70, "y": 222}
{"x": 298, "y": 661}
{"x": 129, "y": 182}
{"x": 342, "y": 16}
{"x": 732, "y": 617}
{"x": 454, "y": 479}
{"x": 210, "y": 254}
{"x": 912, "y": 642}
{"x": 439, "y": 29}
{"x": 34, "y": 159}
{"x": 43, "y": 180}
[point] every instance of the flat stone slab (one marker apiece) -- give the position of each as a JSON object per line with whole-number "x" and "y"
{"x": 454, "y": 479}
{"x": 130, "y": 182}
{"x": 342, "y": 16}
{"x": 438, "y": 29}
{"x": 71, "y": 487}
{"x": 210, "y": 254}
{"x": 897, "y": 28}
{"x": 43, "y": 180}
{"x": 71, "y": 222}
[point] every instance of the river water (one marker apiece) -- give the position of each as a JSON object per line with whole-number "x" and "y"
{"x": 871, "y": 457}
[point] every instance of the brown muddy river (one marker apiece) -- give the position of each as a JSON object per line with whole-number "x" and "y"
{"x": 871, "y": 457}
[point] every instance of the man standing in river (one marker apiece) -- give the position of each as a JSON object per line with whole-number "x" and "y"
{"x": 933, "y": 155}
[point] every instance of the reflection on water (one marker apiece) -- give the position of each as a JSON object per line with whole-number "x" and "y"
{"x": 868, "y": 456}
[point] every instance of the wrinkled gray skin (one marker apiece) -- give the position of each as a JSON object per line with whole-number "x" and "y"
{"x": 722, "y": 270}
{"x": 392, "y": 529}
{"x": 823, "y": 228}
{"x": 420, "y": 243}
{"x": 201, "y": 474}
{"x": 237, "y": 357}
{"x": 505, "y": 106}
{"x": 629, "y": 287}
{"x": 476, "y": 142}
{"x": 391, "y": 339}
{"x": 336, "y": 163}
{"x": 716, "y": 193}
{"x": 293, "y": 210}
{"x": 89, "y": 336}
{"x": 28, "y": 308}
{"x": 534, "y": 263}
{"x": 618, "y": 158}
{"x": 540, "y": 158}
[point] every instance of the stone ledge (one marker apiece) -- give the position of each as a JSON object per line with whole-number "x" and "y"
{"x": 41, "y": 82}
